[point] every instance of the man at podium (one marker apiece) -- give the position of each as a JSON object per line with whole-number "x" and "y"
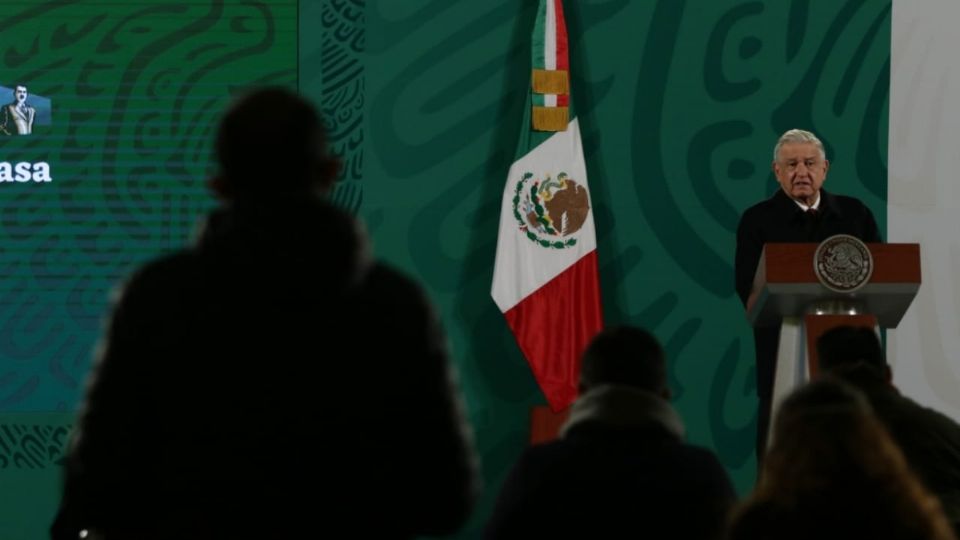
{"x": 801, "y": 211}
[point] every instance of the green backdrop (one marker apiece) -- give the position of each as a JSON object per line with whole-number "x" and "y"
{"x": 680, "y": 103}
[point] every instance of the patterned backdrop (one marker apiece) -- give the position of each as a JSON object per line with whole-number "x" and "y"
{"x": 680, "y": 103}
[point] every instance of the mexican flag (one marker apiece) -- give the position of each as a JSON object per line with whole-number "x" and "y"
{"x": 545, "y": 278}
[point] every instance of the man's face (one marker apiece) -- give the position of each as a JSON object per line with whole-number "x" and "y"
{"x": 801, "y": 170}
{"x": 21, "y": 94}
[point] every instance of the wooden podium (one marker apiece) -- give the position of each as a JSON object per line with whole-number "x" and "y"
{"x": 787, "y": 292}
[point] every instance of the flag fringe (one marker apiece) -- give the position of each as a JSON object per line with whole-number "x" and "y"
{"x": 550, "y": 118}
{"x": 550, "y": 81}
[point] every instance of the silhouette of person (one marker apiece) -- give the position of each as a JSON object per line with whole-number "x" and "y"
{"x": 16, "y": 118}
{"x": 833, "y": 472}
{"x": 271, "y": 381}
{"x": 620, "y": 468}
{"x": 930, "y": 441}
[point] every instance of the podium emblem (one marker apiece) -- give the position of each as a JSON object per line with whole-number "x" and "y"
{"x": 843, "y": 263}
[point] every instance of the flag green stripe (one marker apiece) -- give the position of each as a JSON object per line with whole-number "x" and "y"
{"x": 539, "y": 35}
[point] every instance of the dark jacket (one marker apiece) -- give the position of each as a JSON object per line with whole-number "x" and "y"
{"x": 620, "y": 470}
{"x": 272, "y": 379}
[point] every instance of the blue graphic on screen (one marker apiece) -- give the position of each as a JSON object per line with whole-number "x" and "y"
{"x": 21, "y": 111}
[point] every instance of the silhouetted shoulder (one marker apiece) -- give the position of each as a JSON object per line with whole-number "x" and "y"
{"x": 162, "y": 274}
{"x": 382, "y": 278}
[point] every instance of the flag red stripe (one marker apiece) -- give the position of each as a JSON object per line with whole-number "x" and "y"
{"x": 563, "y": 62}
{"x": 553, "y": 326}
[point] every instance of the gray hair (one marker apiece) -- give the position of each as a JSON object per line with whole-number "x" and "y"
{"x": 798, "y": 136}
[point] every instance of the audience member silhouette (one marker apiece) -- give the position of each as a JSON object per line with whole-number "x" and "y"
{"x": 930, "y": 441}
{"x": 271, "y": 381}
{"x": 620, "y": 468}
{"x": 833, "y": 472}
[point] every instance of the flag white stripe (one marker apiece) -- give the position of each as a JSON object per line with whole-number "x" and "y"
{"x": 523, "y": 266}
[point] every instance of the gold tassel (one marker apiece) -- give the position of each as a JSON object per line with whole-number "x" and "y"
{"x": 554, "y": 81}
{"x": 550, "y": 118}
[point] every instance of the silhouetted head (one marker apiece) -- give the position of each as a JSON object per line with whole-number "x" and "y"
{"x": 821, "y": 397}
{"x": 626, "y": 356}
{"x": 851, "y": 349}
{"x": 271, "y": 143}
{"x": 833, "y": 471}
{"x": 819, "y": 428}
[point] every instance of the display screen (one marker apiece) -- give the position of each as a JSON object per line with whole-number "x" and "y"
{"x": 108, "y": 112}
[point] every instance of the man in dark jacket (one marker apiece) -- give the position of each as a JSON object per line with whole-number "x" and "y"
{"x": 800, "y": 211}
{"x": 620, "y": 468}
{"x": 272, "y": 381}
{"x": 929, "y": 440}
